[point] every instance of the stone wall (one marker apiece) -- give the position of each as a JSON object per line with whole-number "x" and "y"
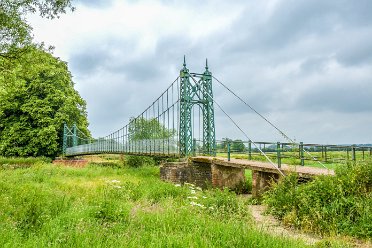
{"x": 230, "y": 177}
{"x": 199, "y": 174}
{"x": 261, "y": 182}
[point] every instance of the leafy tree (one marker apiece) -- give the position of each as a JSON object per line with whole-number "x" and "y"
{"x": 141, "y": 128}
{"x": 235, "y": 145}
{"x": 37, "y": 97}
{"x": 238, "y": 146}
{"x": 15, "y": 32}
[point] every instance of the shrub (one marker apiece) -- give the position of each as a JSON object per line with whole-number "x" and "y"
{"x": 138, "y": 161}
{"x": 331, "y": 205}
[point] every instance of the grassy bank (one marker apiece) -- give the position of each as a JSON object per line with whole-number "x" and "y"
{"x": 46, "y": 205}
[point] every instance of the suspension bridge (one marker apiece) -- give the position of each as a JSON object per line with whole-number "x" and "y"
{"x": 181, "y": 123}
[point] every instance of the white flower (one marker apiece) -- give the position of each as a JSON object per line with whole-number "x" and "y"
{"x": 198, "y": 188}
{"x": 177, "y": 185}
{"x": 193, "y": 191}
{"x": 117, "y": 186}
{"x": 115, "y": 181}
{"x": 204, "y": 197}
{"x": 192, "y": 197}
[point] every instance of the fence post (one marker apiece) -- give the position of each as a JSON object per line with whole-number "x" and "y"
{"x": 302, "y": 153}
{"x": 363, "y": 152}
{"x": 325, "y": 153}
{"x": 278, "y": 154}
{"x": 353, "y": 156}
{"x": 194, "y": 147}
{"x": 228, "y": 151}
{"x": 250, "y": 150}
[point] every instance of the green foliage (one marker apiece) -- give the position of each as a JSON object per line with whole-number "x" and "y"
{"x": 138, "y": 161}
{"x": 37, "y": 97}
{"x": 235, "y": 145}
{"x": 238, "y": 146}
{"x": 15, "y": 32}
{"x": 341, "y": 204}
{"x": 141, "y": 128}
{"x": 53, "y": 206}
{"x": 6, "y": 163}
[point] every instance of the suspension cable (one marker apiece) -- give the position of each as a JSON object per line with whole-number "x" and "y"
{"x": 263, "y": 117}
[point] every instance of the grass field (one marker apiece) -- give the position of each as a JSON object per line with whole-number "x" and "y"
{"x": 49, "y": 206}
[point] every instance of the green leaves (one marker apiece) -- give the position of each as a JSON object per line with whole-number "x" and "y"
{"x": 143, "y": 129}
{"x": 15, "y": 33}
{"x": 37, "y": 98}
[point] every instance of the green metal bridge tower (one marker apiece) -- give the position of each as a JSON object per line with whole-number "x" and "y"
{"x": 197, "y": 91}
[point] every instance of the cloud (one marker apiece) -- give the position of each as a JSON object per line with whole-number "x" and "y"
{"x": 304, "y": 64}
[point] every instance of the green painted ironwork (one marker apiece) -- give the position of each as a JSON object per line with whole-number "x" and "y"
{"x": 196, "y": 92}
{"x": 64, "y": 145}
{"x": 74, "y": 137}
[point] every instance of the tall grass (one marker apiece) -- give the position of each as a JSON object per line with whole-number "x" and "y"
{"x": 11, "y": 162}
{"x": 51, "y": 206}
{"x": 341, "y": 204}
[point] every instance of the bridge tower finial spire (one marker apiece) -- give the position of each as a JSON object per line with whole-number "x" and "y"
{"x": 184, "y": 60}
{"x": 206, "y": 64}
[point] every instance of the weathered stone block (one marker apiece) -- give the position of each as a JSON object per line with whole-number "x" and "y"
{"x": 231, "y": 177}
{"x": 182, "y": 172}
{"x": 261, "y": 182}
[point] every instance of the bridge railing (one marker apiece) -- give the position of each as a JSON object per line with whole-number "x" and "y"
{"x": 293, "y": 153}
{"x": 159, "y": 147}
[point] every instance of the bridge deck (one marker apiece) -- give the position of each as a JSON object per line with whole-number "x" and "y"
{"x": 302, "y": 171}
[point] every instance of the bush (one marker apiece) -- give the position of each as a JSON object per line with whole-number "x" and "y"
{"x": 341, "y": 204}
{"x": 138, "y": 161}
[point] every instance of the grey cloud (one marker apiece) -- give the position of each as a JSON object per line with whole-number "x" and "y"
{"x": 345, "y": 97}
{"x": 309, "y": 33}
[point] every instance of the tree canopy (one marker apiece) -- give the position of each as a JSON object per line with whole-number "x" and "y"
{"x": 15, "y": 32}
{"x": 37, "y": 97}
{"x": 141, "y": 128}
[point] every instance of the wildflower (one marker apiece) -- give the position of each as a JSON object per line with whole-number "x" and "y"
{"x": 117, "y": 186}
{"x": 196, "y": 204}
{"x": 193, "y": 191}
{"x": 177, "y": 185}
{"x": 115, "y": 181}
{"x": 192, "y": 197}
{"x": 198, "y": 188}
{"x": 204, "y": 197}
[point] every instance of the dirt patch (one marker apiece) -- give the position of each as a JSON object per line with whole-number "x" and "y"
{"x": 268, "y": 223}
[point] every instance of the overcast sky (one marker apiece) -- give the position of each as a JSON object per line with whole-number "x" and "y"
{"x": 306, "y": 65}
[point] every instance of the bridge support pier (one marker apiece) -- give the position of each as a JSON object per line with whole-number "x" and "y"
{"x": 199, "y": 174}
{"x": 230, "y": 177}
{"x": 261, "y": 182}
{"x": 203, "y": 175}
